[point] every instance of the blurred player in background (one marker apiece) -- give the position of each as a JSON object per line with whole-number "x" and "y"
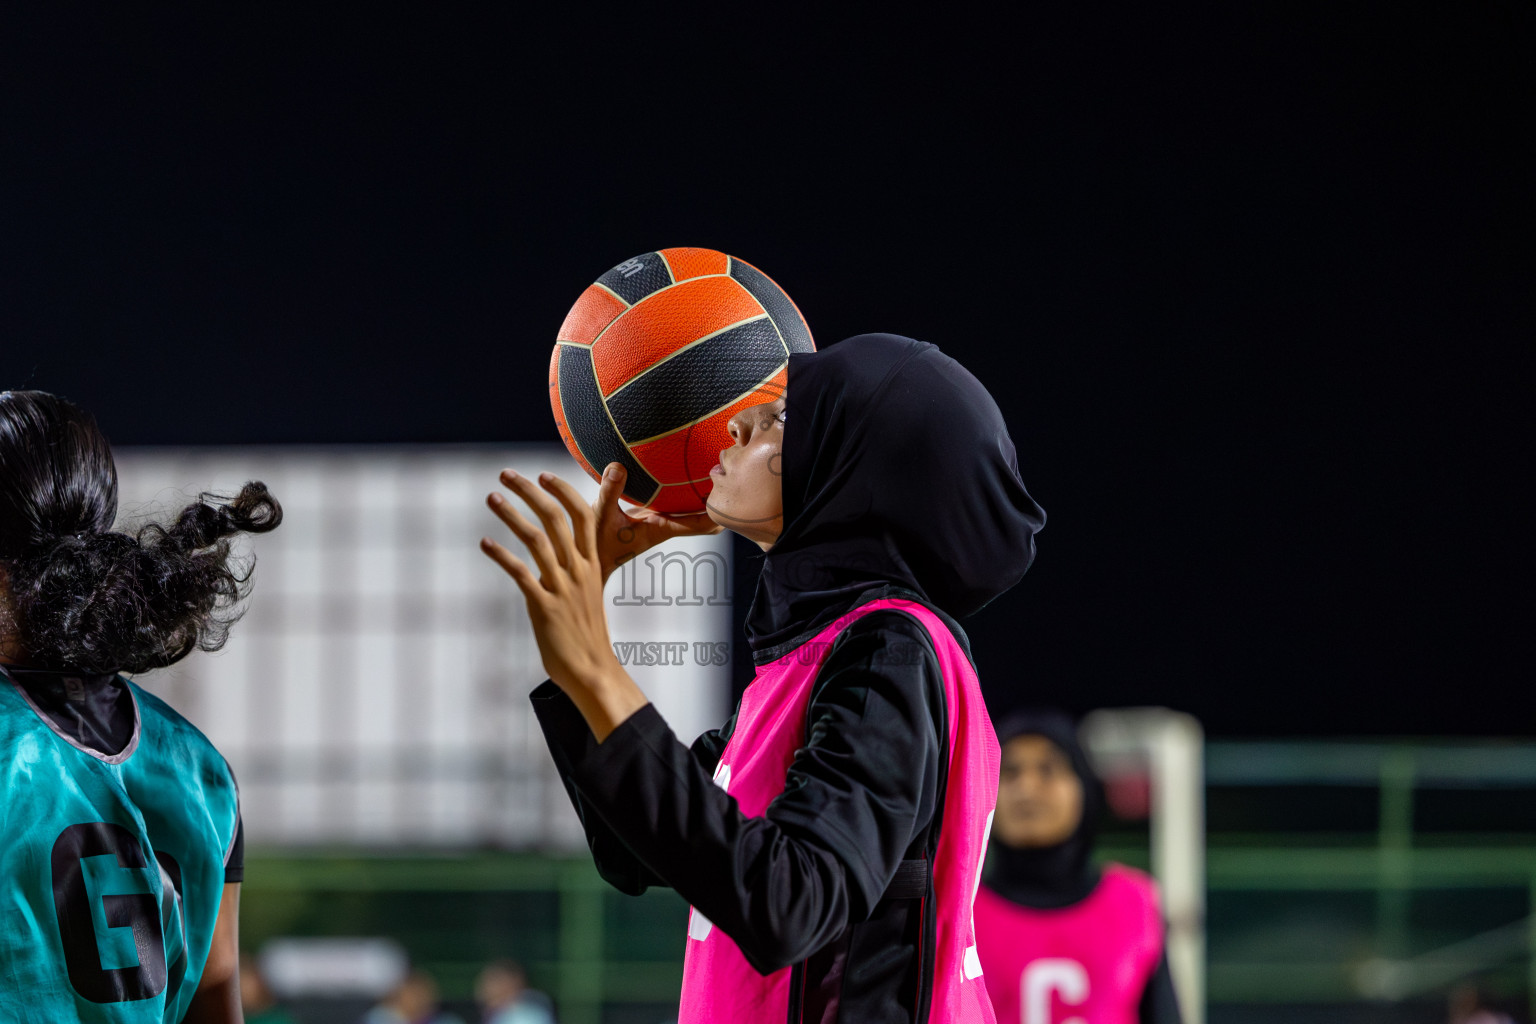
{"x": 1467, "y": 1007}
{"x": 829, "y": 837}
{"x": 502, "y": 992}
{"x": 120, "y": 840}
{"x": 256, "y": 996}
{"x": 413, "y": 1001}
{"x": 1060, "y": 938}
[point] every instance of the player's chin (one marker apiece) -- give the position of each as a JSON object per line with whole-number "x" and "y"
{"x": 721, "y": 514}
{"x": 718, "y": 500}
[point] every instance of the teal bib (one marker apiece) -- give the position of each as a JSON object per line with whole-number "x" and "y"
{"x": 111, "y": 867}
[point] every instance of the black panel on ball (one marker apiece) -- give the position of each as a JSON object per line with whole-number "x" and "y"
{"x": 598, "y": 442}
{"x": 694, "y": 382}
{"x": 634, "y": 279}
{"x": 797, "y": 337}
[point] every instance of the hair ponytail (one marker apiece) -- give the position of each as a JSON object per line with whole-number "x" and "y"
{"x": 84, "y": 597}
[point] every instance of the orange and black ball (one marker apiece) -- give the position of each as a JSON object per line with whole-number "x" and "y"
{"x": 654, "y": 359}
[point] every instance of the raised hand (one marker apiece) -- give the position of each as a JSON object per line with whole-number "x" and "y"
{"x": 565, "y": 596}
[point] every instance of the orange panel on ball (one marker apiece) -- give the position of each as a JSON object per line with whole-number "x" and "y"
{"x": 685, "y": 454}
{"x": 665, "y": 322}
{"x": 686, "y": 263}
{"x": 594, "y": 311}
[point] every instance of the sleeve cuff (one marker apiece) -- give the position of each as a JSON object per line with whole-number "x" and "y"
{"x": 234, "y": 863}
{"x": 601, "y": 772}
{"x": 565, "y": 730}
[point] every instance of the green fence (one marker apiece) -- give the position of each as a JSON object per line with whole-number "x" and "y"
{"x": 1361, "y": 894}
{"x": 1371, "y": 874}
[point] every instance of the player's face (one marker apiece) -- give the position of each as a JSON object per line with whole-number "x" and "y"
{"x": 416, "y": 997}
{"x": 1040, "y": 797}
{"x": 496, "y": 988}
{"x": 747, "y": 495}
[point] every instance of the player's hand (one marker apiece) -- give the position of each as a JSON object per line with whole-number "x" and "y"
{"x": 621, "y": 536}
{"x": 565, "y": 596}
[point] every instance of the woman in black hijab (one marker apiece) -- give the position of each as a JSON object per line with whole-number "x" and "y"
{"x": 885, "y": 474}
{"x": 1054, "y": 930}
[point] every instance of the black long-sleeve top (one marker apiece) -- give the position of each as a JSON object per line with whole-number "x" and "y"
{"x": 801, "y": 885}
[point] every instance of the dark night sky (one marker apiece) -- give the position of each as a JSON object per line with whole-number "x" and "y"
{"x": 1252, "y": 286}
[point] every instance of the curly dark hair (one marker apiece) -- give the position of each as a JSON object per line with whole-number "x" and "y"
{"x": 86, "y": 598}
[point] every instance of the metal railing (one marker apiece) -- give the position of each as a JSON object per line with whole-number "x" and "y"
{"x": 1391, "y": 865}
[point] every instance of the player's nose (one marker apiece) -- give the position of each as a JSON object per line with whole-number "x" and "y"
{"x": 740, "y": 426}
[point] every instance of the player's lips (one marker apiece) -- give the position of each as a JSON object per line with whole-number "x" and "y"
{"x": 717, "y": 470}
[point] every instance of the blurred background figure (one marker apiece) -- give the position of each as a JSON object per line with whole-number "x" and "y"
{"x": 414, "y": 1001}
{"x": 1467, "y": 1008}
{"x": 1060, "y": 938}
{"x": 504, "y": 997}
{"x": 256, "y": 998}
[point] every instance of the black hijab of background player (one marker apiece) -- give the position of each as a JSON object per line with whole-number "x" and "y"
{"x": 898, "y": 471}
{"x": 85, "y": 598}
{"x": 1050, "y": 876}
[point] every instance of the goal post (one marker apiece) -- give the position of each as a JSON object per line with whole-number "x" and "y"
{"x": 1167, "y": 749}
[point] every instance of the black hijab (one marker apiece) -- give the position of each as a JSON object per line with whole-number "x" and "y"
{"x": 898, "y": 473}
{"x": 1050, "y": 876}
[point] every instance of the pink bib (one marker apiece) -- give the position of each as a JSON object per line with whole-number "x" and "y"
{"x": 719, "y": 985}
{"x": 1083, "y": 964}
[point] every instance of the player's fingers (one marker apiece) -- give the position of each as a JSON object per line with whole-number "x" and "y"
{"x": 583, "y": 521}
{"x": 610, "y": 517}
{"x": 556, "y": 527}
{"x": 609, "y": 488}
{"x": 526, "y": 581}
{"x": 533, "y": 538}
{"x": 618, "y": 531}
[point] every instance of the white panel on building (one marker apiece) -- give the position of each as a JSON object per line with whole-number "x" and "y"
{"x": 376, "y": 691}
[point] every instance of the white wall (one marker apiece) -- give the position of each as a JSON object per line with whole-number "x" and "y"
{"x": 376, "y": 691}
